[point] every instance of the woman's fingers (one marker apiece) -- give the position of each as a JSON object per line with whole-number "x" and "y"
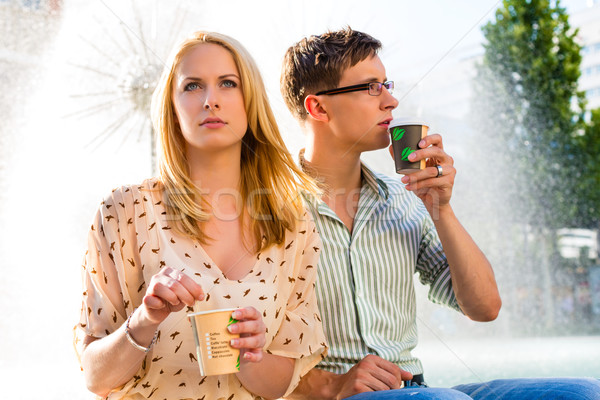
{"x": 175, "y": 287}
{"x": 247, "y": 313}
{"x": 253, "y": 355}
{"x": 249, "y": 340}
{"x": 153, "y": 302}
{"x": 191, "y": 286}
{"x": 251, "y": 329}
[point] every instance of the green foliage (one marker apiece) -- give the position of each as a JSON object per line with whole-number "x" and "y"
{"x": 585, "y": 205}
{"x": 528, "y": 102}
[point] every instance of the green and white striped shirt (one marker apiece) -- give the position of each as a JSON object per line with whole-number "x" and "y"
{"x": 365, "y": 282}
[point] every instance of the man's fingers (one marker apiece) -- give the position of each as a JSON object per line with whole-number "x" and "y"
{"x": 434, "y": 139}
{"x": 398, "y": 373}
{"x": 377, "y": 373}
{"x": 384, "y": 380}
{"x": 405, "y": 375}
{"x": 433, "y": 154}
{"x": 428, "y": 177}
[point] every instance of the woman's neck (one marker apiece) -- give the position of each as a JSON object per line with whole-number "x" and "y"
{"x": 215, "y": 172}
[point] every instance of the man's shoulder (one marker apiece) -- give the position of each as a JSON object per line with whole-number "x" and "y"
{"x": 390, "y": 181}
{"x": 388, "y": 185}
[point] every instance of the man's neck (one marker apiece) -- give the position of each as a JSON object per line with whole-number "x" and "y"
{"x": 341, "y": 174}
{"x": 340, "y": 171}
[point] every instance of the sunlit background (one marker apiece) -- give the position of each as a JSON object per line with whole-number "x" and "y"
{"x": 75, "y": 76}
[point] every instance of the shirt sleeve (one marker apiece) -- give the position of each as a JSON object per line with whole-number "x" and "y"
{"x": 434, "y": 269}
{"x": 301, "y": 333}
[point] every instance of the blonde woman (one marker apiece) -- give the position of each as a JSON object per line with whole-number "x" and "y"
{"x": 223, "y": 226}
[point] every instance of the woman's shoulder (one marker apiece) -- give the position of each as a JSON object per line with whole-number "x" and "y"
{"x": 127, "y": 200}
{"x": 304, "y": 230}
{"x": 132, "y": 194}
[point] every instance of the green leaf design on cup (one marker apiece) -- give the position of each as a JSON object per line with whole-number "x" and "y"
{"x": 232, "y": 321}
{"x": 237, "y": 364}
{"x": 397, "y": 133}
{"x": 405, "y": 153}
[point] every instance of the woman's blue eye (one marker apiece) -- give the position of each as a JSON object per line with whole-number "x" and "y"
{"x": 191, "y": 86}
{"x": 229, "y": 83}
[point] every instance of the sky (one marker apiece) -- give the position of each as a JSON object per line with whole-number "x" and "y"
{"x": 58, "y": 172}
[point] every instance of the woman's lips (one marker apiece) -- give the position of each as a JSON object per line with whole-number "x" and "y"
{"x": 212, "y": 123}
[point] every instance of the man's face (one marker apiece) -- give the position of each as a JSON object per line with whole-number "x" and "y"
{"x": 359, "y": 121}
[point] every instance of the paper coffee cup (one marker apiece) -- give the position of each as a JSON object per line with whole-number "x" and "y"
{"x": 215, "y": 355}
{"x": 406, "y": 133}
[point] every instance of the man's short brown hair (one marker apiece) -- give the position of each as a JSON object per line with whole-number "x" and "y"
{"x": 317, "y": 63}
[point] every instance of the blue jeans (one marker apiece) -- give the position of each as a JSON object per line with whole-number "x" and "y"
{"x": 501, "y": 389}
{"x": 534, "y": 389}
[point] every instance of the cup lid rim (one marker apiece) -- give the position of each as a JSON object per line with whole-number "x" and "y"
{"x": 408, "y": 121}
{"x": 212, "y": 311}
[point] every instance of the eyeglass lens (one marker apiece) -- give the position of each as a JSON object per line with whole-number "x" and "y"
{"x": 375, "y": 88}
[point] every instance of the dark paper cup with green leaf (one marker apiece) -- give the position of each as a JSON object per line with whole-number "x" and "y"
{"x": 215, "y": 354}
{"x": 406, "y": 133}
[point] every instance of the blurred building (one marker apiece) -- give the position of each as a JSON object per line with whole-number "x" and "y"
{"x": 588, "y": 22}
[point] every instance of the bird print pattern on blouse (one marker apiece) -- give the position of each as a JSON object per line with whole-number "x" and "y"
{"x": 132, "y": 238}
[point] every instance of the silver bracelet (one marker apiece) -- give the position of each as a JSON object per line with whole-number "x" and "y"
{"x": 133, "y": 342}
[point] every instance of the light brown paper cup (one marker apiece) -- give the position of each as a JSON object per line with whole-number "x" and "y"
{"x": 406, "y": 133}
{"x": 215, "y": 355}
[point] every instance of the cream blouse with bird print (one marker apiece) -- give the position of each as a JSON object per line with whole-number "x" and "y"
{"x": 131, "y": 239}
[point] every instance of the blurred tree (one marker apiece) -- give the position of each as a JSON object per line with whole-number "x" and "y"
{"x": 529, "y": 105}
{"x": 537, "y": 145}
{"x": 585, "y": 207}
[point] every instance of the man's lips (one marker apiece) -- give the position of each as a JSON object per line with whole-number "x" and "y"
{"x": 386, "y": 122}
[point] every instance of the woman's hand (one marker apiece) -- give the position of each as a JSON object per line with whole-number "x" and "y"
{"x": 169, "y": 291}
{"x": 252, "y": 334}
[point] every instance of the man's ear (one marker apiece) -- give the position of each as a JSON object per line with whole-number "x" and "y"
{"x": 315, "y": 109}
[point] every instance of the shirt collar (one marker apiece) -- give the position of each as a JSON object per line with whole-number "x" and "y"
{"x": 376, "y": 184}
{"x": 370, "y": 180}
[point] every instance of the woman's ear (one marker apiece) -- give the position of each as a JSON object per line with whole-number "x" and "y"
{"x": 315, "y": 108}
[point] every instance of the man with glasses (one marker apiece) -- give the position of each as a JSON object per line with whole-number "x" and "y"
{"x": 377, "y": 231}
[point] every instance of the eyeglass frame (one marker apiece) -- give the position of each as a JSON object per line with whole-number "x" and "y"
{"x": 389, "y": 85}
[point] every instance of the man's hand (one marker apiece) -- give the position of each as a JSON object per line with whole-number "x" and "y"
{"x": 435, "y": 191}
{"x": 371, "y": 374}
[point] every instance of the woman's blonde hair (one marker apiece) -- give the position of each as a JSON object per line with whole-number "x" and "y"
{"x": 270, "y": 183}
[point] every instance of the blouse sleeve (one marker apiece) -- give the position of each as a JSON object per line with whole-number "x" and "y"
{"x": 301, "y": 333}
{"x": 108, "y": 272}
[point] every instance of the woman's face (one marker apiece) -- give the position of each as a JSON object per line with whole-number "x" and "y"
{"x": 208, "y": 99}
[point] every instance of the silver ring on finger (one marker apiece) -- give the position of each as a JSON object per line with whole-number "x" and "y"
{"x": 176, "y": 274}
{"x": 440, "y": 171}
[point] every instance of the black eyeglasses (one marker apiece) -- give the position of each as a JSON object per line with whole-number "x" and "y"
{"x": 375, "y": 88}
